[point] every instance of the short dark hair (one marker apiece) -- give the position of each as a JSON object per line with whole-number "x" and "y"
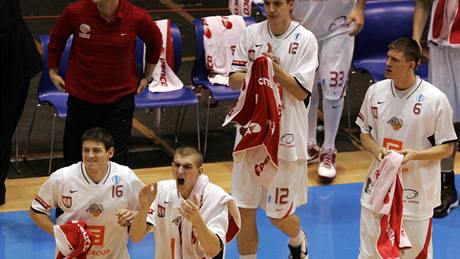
{"x": 99, "y": 135}
{"x": 408, "y": 47}
{"x": 190, "y": 151}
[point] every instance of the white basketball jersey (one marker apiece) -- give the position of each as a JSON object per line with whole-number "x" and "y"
{"x": 325, "y": 18}
{"x": 71, "y": 190}
{"x": 170, "y": 229}
{"x": 418, "y": 120}
{"x": 297, "y": 50}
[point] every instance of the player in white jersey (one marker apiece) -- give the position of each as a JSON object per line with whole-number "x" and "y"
{"x": 329, "y": 21}
{"x": 444, "y": 64}
{"x": 101, "y": 193}
{"x": 409, "y": 115}
{"x": 294, "y": 52}
{"x": 190, "y": 217}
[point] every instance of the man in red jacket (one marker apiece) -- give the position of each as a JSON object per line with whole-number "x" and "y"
{"x": 101, "y": 77}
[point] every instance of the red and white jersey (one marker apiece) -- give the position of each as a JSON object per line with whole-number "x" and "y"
{"x": 325, "y": 18}
{"x": 297, "y": 51}
{"x": 445, "y": 23}
{"x": 75, "y": 196}
{"x": 174, "y": 236}
{"x": 418, "y": 120}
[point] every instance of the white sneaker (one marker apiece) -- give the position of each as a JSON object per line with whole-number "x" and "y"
{"x": 313, "y": 153}
{"x": 300, "y": 251}
{"x": 326, "y": 168}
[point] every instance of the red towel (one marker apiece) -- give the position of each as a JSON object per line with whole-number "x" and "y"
{"x": 73, "y": 240}
{"x": 258, "y": 111}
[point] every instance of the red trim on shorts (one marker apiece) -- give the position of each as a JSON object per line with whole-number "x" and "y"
{"x": 438, "y": 17}
{"x": 424, "y": 253}
{"x": 288, "y": 212}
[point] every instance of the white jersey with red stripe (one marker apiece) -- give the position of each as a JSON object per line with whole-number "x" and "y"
{"x": 418, "y": 120}
{"x": 445, "y": 23}
{"x": 297, "y": 51}
{"x": 174, "y": 236}
{"x": 325, "y": 18}
{"x": 71, "y": 191}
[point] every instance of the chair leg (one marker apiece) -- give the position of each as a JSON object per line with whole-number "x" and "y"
{"x": 179, "y": 122}
{"x": 26, "y": 148}
{"x": 198, "y": 140}
{"x": 347, "y": 100}
{"x": 207, "y": 127}
{"x": 52, "y": 145}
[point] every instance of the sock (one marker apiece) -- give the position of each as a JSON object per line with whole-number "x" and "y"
{"x": 448, "y": 179}
{"x": 297, "y": 240}
{"x": 313, "y": 114}
{"x": 254, "y": 256}
{"x": 332, "y": 112}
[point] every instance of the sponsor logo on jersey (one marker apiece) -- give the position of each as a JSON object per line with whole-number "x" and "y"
{"x": 161, "y": 211}
{"x": 396, "y": 123}
{"x": 67, "y": 201}
{"x": 99, "y": 234}
{"x": 85, "y": 30}
{"x": 116, "y": 179}
{"x": 287, "y": 140}
{"x": 374, "y": 112}
{"x": 337, "y": 23}
{"x": 95, "y": 209}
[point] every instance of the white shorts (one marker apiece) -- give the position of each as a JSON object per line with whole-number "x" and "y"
{"x": 418, "y": 232}
{"x": 286, "y": 192}
{"x": 444, "y": 67}
{"x": 335, "y": 55}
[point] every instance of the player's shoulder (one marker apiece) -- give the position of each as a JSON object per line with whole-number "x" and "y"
{"x": 215, "y": 190}
{"x": 382, "y": 85}
{"x": 68, "y": 173}
{"x": 166, "y": 185}
{"x": 300, "y": 32}
{"x": 431, "y": 89}
{"x": 122, "y": 171}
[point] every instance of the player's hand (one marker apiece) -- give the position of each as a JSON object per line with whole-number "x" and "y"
{"x": 125, "y": 216}
{"x": 356, "y": 16}
{"x": 190, "y": 210}
{"x": 382, "y": 153}
{"x": 148, "y": 195}
{"x": 269, "y": 54}
{"x": 57, "y": 80}
{"x": 141, "y": 86}
{"x": 424, "y": 51}
{"x": 409, "y": 155}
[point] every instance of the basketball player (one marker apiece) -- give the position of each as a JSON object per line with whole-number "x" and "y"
{"x": 99, "y": 192}
{"x": 409, "y": 115}
{"x": 188, "y": 215}
{"x": 329, "y": 21}
{"x": 444, "y": 64}
{"x": 293, "y": 50}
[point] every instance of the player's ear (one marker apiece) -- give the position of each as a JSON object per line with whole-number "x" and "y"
{"x": 111, "y": 152}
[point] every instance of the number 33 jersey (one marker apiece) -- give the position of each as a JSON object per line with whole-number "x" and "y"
{"x": 417, "y": 119}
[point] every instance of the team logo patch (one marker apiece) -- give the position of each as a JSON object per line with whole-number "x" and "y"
{"x": 420, "y": 98}
{"x": 85, "y": 30}
{"x": 396, "y": 123}
{"x": 116, "y": 179}
{"x": 374, "y": 112}
{"x": 410, "y": 194}
{"x": 95, "y": 209}
{"x": 161, "y": 211}
{"x": 296, "y": 36}
{"x": 67, "y": 201}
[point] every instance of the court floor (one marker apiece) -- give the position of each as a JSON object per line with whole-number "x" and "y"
{"x": 331, "y": 220}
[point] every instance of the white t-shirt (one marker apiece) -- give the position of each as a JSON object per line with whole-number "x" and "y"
{"x": 325, "y": 18}
{"x": 297, "y": 50}
{"x": 417, "y": 120}
{"x": 175, "y": 237}
{"x": 72, "y": 192}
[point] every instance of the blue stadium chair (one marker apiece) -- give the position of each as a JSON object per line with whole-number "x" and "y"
{"x": 217, "y": 92}
{"x": 183, "y": 97}
{"x": 48, "y": 94}
{"x": 385, "y": 21}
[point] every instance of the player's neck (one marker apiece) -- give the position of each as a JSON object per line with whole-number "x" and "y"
{"x": 405, "y": 83}
{"x": 97, "y": 175}
{"x": 280, "y": 28}
{"x": 107, "y": 9}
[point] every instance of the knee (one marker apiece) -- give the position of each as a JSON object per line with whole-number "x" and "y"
{"x": 277, "y": 222}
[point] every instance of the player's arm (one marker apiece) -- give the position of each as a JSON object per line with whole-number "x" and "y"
{"x": 437, "y": 152}
{"x": 422, "y": 8}
{"x": 236, "y": 80}
{"x": 370, "y": 145}
{"x": 139, "y": 227}
{"x": 289, "y": 83}
{"x": 42, "y": 220}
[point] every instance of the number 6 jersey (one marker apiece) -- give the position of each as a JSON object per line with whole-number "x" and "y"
{"x": 418, "y": 119}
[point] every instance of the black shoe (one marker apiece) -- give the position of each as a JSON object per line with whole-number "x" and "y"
{"x": 448, "y": 201}
{"x": 300, "y": 251}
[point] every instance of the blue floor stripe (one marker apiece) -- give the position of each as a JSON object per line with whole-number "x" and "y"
{"x": 331, "y": 220}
